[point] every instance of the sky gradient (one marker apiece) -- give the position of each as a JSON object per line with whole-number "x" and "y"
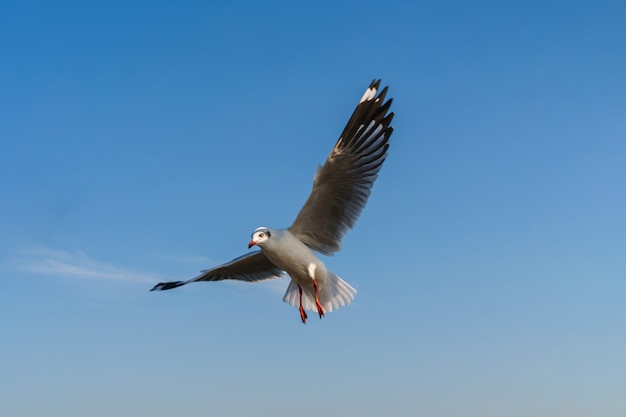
{"x": 144, "y": 141}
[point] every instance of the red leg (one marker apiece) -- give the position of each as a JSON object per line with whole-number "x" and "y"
{"x": 303, "y": 315}
{"x": 320, "y": 309}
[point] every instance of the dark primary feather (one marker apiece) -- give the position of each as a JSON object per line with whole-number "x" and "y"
{"x": 250, "y": 267}
{"x": 342, "y": 186}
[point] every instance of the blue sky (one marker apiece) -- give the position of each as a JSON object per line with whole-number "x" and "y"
{"x": 144, "y": 141}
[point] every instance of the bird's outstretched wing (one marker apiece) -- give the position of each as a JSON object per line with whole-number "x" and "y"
{"x": 251, "y": 267}
{"x": 342, "y": 186}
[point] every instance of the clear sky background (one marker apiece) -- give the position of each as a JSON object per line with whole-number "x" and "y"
{"x": 144, "y": 141}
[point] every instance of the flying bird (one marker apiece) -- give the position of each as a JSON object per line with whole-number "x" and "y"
{"x": 341, "y": 188}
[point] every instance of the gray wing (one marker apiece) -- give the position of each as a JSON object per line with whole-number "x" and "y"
{"x": 251, "y": 267}
{"x": 342, "y": 186}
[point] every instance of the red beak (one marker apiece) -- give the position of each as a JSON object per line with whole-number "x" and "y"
{"x": 251, "y": 244}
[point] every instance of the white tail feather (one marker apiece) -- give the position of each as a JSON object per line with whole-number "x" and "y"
{"x": 336, "y": 293}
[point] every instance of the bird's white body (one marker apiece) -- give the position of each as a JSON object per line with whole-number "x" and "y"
{"x": 288, "y": 253}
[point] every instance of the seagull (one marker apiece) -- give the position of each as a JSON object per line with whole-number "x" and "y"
{"x": 341, "y": 188}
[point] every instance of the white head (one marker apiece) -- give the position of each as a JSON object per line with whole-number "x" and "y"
{"x": 259, "y": 236}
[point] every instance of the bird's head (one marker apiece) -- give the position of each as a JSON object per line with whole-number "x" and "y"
{"x": 259, "y": 236}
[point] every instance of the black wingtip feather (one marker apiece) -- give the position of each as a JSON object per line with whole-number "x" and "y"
{"x": 162, "y": 286}
{"x": 382, "y": 94}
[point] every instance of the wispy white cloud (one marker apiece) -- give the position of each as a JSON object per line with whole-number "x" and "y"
{"x": 77, "y": 264}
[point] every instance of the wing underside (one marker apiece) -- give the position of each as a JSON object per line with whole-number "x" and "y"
{"x": 251, "y": 267}
{"x": 342, "y": 186}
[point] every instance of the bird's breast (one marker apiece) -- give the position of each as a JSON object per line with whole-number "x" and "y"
{"x": 293, "y": 256}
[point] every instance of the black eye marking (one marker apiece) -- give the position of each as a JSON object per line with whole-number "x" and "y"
{"x": 262, "y": 232}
